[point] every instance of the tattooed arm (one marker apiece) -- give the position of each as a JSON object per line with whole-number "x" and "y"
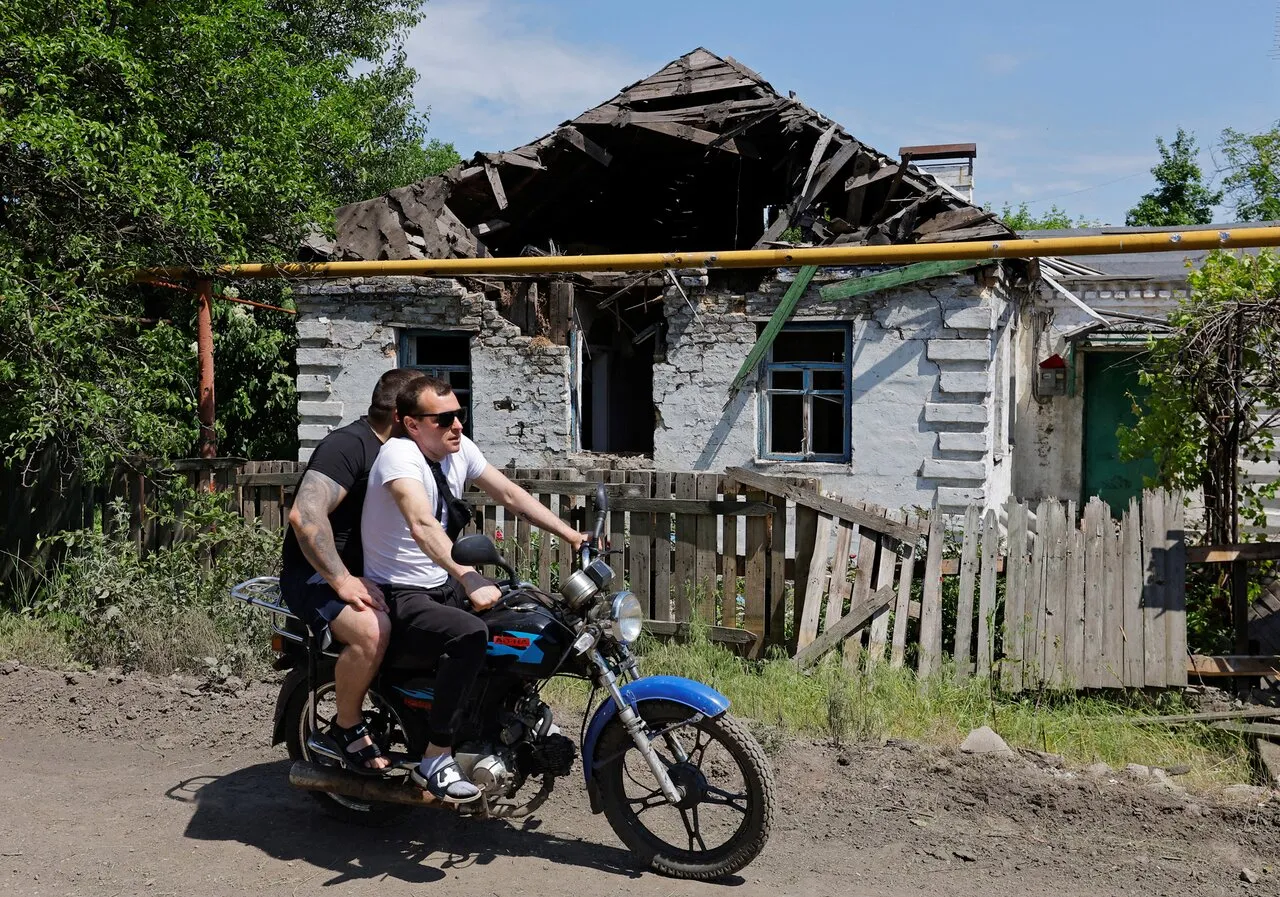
{"x": 317, "y": 496}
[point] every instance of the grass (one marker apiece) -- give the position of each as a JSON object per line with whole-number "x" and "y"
{"x": 832, "y": 703}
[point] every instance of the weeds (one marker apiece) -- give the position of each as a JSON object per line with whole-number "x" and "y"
{"x": 104, "y": 604}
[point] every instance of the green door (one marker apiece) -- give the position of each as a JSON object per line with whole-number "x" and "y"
{"x": 1110, "y": 388}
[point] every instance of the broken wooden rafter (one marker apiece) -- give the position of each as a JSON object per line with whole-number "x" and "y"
{"x": 706, "y": 138}
{"x": 780, "y": 317}
{"x": 575, "y": 138}
{"x": 819, "y": 150}
{"x": 866, "y": 180}
{"x": 953, "y": 219}
{"x": 495, "y": 184}
{"x": 829, "y": 170}
{"x": 885, "y": 280}
{"x": 978, "y": 232}
{"x": 514, "y": 158}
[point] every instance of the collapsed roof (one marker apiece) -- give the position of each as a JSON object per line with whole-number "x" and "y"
{"x": 704, "y": 154}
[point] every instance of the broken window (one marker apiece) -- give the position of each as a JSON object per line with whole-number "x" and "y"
{"x": 804, "y": 388}
{"x": 443, "y": 354}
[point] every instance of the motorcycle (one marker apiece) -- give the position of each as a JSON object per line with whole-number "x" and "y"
{"x": 682, "y": 783}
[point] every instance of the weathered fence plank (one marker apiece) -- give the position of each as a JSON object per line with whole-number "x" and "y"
{"x": 662, "y": 550}
{"x": 753, "y": 619}
{"x": 962, "y": 651}
{"x": 1055, "y": 588}
{"x": 707, "y": 489}
{"x": 642, "y": 546}
{"x": 931, "y": 601}
{"x": 776, "y": 615}
{"x": 898, "y": 646}
{"x": 1153, "y": 595}
{"x": 1131, "y": 557}
{"x": 840, "y": 585}
{"x": 685, "y": 580}
{"x": 1175, "y": 540}
{"x": 807, "y": 627}
{"x": 1073, "y": 644}
{"x": 805, "y": 535}
{"x": 878, "y": 627}
{"x": 729, "y": 560}
{"x": 1095, "y": 589}
{"x": 987, "y": 596}
{"x": 1113, "y": 631}
{"x": 1016, "y": 573}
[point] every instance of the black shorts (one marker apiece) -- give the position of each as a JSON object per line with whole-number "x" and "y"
{"x": 316, "y": 604}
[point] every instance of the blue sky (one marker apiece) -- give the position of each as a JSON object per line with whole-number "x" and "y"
{"x": 1063, "y": 99}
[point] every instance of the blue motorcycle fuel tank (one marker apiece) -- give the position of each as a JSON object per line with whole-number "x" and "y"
{"x": 525, "y": 639}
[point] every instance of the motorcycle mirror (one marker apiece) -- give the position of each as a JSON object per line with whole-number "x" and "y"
{"x": 477, "y": 550}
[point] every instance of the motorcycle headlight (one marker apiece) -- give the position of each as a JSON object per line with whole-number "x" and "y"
{"x": 628, "y": 617}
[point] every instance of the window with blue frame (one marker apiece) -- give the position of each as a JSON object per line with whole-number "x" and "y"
{"x": 442, "y": 354}
{"x": 805, "y": 394}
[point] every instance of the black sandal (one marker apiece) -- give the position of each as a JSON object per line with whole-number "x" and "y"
{"x": 357, "y": 759}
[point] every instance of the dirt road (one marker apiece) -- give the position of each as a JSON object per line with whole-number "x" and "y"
{"x": 142, "y": 786}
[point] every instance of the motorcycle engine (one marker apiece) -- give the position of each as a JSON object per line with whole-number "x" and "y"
{"x": 491, "y": 770}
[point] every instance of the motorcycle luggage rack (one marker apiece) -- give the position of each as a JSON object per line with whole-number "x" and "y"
{"x": 264, "y": 592}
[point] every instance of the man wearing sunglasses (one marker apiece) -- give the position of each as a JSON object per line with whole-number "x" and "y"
{"x": 412, "y": 513}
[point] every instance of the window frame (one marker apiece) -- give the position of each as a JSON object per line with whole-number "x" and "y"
{"x": 408, "y": 358}
{"x": 766, "y": 391}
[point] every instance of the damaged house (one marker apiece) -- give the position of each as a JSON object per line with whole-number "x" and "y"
{"x": 892, "y": 385}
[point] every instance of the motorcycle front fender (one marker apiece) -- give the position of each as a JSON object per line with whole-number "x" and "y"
{"x": 698, "y": 697}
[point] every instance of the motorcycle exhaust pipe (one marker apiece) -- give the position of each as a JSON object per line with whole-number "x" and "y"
{"x": 310, "y": 777}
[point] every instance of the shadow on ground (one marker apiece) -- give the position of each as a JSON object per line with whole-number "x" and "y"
{"x": 255, "y": 806}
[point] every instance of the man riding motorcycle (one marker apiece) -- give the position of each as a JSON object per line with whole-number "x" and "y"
{"x": 412, "y": 513}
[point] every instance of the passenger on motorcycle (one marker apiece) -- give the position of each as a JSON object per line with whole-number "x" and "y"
{"x": 412, "y": 513}
{"x": 322, "y": 578}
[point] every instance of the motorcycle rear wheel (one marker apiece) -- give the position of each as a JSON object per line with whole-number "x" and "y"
{"x": 374, "y": 814}
{"x": 725, "y": 773}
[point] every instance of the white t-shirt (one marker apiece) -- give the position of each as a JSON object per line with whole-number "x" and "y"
{"x": 390, "y": 554}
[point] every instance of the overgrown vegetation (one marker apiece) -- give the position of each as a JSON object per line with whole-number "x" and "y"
{"x": 1214, "y": 389}
{"x": 105, "y": 605}
{"x": 832, "y": 703}
{"x": 1181, "y": 196}
{"x": 179, "y": 133}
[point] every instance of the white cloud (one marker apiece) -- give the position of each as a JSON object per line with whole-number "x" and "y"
{"x": 495, "y": 81}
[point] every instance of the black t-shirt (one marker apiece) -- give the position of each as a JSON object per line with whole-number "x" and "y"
{"x": 345, "y": 456}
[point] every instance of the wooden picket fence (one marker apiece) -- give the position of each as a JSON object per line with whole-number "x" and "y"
{"x": 1098, "y": 604}
{"x": 770, "y": 563}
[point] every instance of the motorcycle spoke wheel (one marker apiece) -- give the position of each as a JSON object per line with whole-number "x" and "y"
{"x": 377, "y": 717}
{"x": 717, "y": 803}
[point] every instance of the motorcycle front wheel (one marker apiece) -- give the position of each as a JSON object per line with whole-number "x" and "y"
{"x": 722, "y": 822}
{"x": 297, "y": 729}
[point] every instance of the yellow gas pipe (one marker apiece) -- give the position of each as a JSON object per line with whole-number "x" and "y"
{"x": 1106, "y": 244}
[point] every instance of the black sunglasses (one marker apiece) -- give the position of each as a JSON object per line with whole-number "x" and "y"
{"x": 444, "y": 419}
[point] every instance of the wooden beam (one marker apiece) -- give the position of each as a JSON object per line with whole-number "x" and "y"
{"x": 819, "y": 149}
{"x": 866, "y": 180}
{"x": 870, "y": 283}
{"x": 829, "y": 170}
{"x": 722, "y": 634}
{"x": 495, "y": 184}
{"x": 697, "y": 135}
{"x": 1233, "y": 665}
{"x": 1267, "y": 729}
{"x": 571, "y": 135}
{"x": 854, "y": 619}
{"x": 810, "y": 499}
{"x": 1206, "y": 717}
{"x": 688, "y": 506}
{"x": 780, "y": 317}
{"x": 1226, "y": 554}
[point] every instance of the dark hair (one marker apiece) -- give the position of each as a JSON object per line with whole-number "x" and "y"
{"x": 411, "y": 392}
{"x": 389, "y": 386}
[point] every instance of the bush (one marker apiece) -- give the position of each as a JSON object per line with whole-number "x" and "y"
{"x": 164, "y": 611}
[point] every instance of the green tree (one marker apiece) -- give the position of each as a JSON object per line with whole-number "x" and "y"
{"x": 1253, "y": 173}
{"x": 176, "y": 132}
{"x": 1180, "y": 197}
{"x": 1022, "y": 218}
{"x": 1215, "y": 390}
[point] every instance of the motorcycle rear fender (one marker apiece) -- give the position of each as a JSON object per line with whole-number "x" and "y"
{"x": 673, "y": 689}
{"x": 297, "y": 679}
